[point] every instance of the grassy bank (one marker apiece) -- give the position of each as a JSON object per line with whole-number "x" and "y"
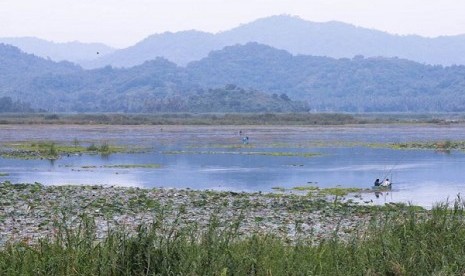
{"x": 400, "y": 241}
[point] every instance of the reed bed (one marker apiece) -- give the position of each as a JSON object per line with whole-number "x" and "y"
{"x": 397, "y": 241}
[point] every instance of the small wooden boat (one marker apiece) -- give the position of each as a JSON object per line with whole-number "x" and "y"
{"x": 382, "y": 187}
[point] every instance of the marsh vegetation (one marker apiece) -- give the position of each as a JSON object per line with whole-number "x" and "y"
{"x": 435, "y": 145}
{"x": 54, "y": 150}
{"x": 386, "y": 240}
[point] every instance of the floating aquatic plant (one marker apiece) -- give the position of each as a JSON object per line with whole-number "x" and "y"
{"x": 53, "y": 150}
{"x": 264, "y": 153}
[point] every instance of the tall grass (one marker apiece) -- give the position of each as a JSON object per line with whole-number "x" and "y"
{"x": 402, "y": 241}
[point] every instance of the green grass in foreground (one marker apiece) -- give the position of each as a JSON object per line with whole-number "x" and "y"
{"x": 398, "y": 241}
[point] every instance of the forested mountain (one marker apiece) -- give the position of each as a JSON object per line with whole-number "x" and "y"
{"x": 155, "y": 86}
{"x": 249, "y": 78}
{"x": 355, "y": 85}
{"x": 76, "y": 52}
{"x": 18, "y": 71}
{"x": 295, "y": 35}
{"x": 13, "y": 61}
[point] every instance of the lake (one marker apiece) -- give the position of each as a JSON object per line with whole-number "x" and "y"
{"x": 207, "y": 157}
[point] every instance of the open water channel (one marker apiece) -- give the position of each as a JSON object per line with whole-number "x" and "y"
{"x": 210, "y": 157}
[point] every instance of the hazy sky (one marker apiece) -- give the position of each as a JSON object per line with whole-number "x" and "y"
{"x": 122, "y": 23}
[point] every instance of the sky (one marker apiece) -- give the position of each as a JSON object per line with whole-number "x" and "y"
{"x": 121, "y": 23}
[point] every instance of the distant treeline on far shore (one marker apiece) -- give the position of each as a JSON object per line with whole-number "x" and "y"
{"x": 228, "y": 118}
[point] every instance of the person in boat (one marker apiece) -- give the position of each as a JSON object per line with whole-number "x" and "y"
{"x": 386, "y": 183}
{"x": 377, "y": 182}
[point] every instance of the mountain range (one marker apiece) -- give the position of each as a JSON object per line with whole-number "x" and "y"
{"x": 293, "y": 34}
{"x": 29, "y": 82}
{"x": 241, "y": 78}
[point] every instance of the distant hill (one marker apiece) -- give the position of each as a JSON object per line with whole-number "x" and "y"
{"x": 17, "y": 67}
{"x": 181, "y": 48}
{"x": 295, "y": 35}
{"x": 23, "y": 75}
{"x": 339, "y": 40}
{"x": 354, "y": 85}
{"x": 155, "y": 86}
{"x": 249, "y": 78}
{"x": 76, "y": 52}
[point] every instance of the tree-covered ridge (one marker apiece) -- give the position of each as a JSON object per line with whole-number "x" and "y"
{"x": 235, "y": 99}
{"x": 14, "y": 61}
{"x": 356, "y": 85}
{"x": 155, "y": 86}
{"x": 266, "y": 78}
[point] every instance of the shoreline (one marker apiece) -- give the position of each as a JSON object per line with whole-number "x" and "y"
{"x": 231, "y": 119}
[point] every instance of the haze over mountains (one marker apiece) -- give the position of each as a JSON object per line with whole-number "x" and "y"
{"x": 76, "y": 52}
{"x": 240, "y": 78}
{"x": 295, "y": 35}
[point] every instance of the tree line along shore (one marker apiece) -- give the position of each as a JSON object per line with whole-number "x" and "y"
{"x": 228, "y": 118}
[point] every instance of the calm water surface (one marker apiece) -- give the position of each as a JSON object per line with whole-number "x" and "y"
{"x": 214, "y": 158}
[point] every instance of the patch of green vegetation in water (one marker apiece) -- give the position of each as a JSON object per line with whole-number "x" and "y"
{"x": 297, "y": 154}
{"x": 134, "y": 166}
{"x": 264, "y": 153}
{"x": 306, "y": 188}
{"x": 53, "y": 150}
{"x": 314, "y": 191}
{"x": 338, "y": 191}
{"x": 123, "y": 166}
{"x": 224, "y": 146}
{"x": 436, "y": 145}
